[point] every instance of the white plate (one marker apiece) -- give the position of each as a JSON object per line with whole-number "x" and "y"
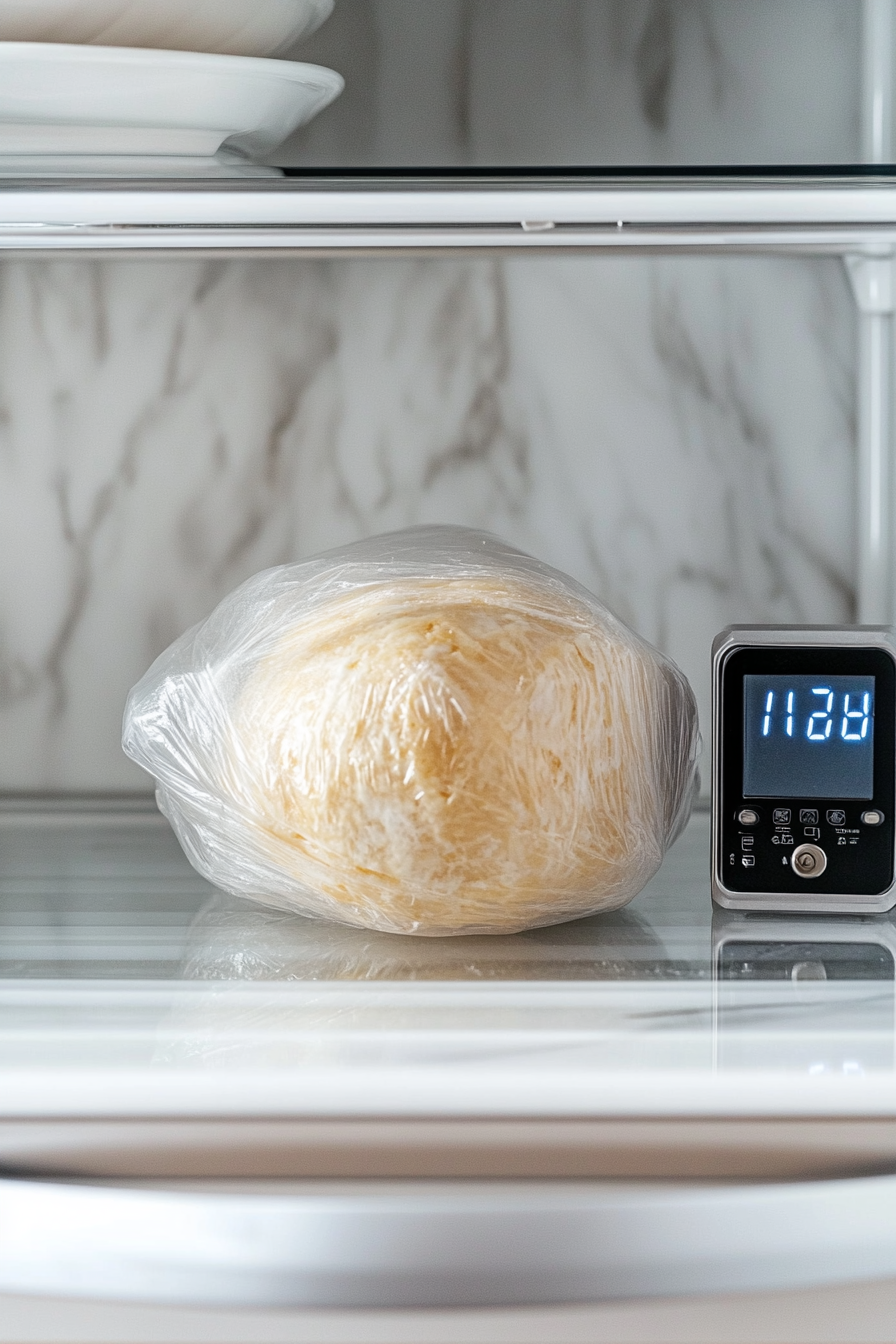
{"x": 234, "y": 27}
{"x": 58, "y": 99}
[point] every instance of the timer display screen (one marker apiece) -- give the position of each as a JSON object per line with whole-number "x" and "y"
{"x": 808, "y": 736}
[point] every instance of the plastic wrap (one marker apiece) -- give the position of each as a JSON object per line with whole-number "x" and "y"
{"x": 428, "y": 732}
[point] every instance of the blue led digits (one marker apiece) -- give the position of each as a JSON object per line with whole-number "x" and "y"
{"x": 818, "y": 729}
{"x": 854, "y": 727}
{"x": 808, "y": 737}
{"x": 851, "y": 714}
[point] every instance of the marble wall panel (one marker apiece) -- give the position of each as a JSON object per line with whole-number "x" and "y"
{"x": 649, "y": 82}
{"x": 679, "y": 434}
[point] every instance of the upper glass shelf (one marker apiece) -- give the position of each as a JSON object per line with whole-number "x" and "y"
{"x": 466, "y": 126}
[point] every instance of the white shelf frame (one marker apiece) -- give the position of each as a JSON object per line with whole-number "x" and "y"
{"x": 313, "y": 216}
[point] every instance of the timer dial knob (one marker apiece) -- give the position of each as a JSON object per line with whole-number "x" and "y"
{"x": 808, "y": 861}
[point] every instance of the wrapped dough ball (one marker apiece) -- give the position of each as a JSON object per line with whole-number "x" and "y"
{"x": 452, "y": 755}
{"x": 474, "y": 747}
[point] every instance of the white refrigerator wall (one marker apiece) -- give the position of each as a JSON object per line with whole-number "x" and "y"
{"x": 679, "y": 434}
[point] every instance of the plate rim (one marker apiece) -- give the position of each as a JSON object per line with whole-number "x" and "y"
{"x": 62, "y": 53}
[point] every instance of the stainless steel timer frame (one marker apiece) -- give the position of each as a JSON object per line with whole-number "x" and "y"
{"x": 736, "y": 637}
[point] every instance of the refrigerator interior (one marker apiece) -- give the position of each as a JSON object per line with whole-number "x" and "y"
{"x": 617, "y": 282}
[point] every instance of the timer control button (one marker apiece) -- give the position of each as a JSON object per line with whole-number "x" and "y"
{"x": 808, "y": 861}
{"x": 873, "y": 818}
{"x": 808, "y": 816}
{"x": 748, "y": 817}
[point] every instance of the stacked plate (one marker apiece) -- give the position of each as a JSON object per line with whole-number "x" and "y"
{"x": 150, "y": 86}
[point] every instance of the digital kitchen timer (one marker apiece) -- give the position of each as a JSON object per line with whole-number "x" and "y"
{"x": 804, "y": 768}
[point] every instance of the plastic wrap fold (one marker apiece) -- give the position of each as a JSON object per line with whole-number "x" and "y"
{"x": 428, "y": 732}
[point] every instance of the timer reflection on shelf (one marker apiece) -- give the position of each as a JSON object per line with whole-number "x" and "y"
{"x": 814, "y": 996}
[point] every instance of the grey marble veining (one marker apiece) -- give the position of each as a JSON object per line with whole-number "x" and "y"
{"x": 678, "y": 434}
{"x": 650, "y": 82}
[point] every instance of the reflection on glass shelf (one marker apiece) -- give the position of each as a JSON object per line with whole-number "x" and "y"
{"x": 129, "y": 987}
{"x": 111, "y": 896}
{"x": 232, "y": 940}
{"x": 87, "y": 894}
{"x": 817, "y": 995}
